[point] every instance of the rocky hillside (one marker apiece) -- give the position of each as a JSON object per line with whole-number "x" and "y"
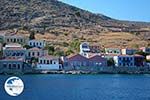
{"x": 46, "y": 14}
{"x": 64, "y": 23}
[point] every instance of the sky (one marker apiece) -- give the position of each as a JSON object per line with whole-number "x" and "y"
{"x": 133, "y": 10}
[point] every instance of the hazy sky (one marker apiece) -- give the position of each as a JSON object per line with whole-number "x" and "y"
{"x": 135, "y": 10}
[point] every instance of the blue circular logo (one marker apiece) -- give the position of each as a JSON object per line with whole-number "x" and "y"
{"x": 14, "y": 86}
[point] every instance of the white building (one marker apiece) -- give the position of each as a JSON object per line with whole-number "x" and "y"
{"x": 128, "y": 51}
{"x": 37, "y": 43}
{"x": 129, "y": 61}
{"x": 14, "y": 50}
{"x": 35, "y": 52}
{"x": 84, "y": 49}
{"x": 124, "y": 60}
{"x": 13, "y": 38}
{"x": 115, "y": 51}
{"x": 48, "y": 63}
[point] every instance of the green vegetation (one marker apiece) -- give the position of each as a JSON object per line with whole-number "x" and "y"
{"x": 50, "y": 49}
{"x": 27, "y": 46}
{"x": 68, "y": 52}
{"x": 75, "y": 45}
{"x": 142, "y": 53}
{"x": 78, "y": 14}
{"x": 110, "y": 62}
{"x": 59, "y": 53}
{"x": 34, "y": 60}
{"x": 65, "y": 44}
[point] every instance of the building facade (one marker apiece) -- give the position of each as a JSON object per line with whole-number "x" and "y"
{"x": 97, "y": 61}
{"x": 129, "y": 61}
{"x": 48, "y": 63}
{"x": 128, "y": 51}
{"x": 35, "y": 53}
{"x": 79, "y": 62}
{"x": 15, "y": 39}
{"x": 113, "y": 51}
{"x": 11, "y": 64}
{"x": 145, "y": 49}
{"x": 84, "y": 49}
{"x": 37, "y": 43}
{"x": 14, "y": 50}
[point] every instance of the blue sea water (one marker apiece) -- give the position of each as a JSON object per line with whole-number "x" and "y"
{"x": 81, "y": 87}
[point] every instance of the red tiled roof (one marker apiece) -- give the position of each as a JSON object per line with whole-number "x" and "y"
{"x": 77, "y": 57}
{"x": 34, "y": 49}
{"x": 15, "y": 48}
{"x": 49, "y": 57}
{"x": 97, "y": 58}
{"x": 12, "y": 59}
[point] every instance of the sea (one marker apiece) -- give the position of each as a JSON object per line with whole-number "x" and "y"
{"x": 81, "y": 87}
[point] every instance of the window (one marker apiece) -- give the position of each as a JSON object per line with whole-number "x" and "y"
{"x": 40, "y": 61}
{"x": 47, "y": 61}
{"x": 7, "y": 40}
{"x": 34, "y": 44}
{"x": 51, "y": 62}
{"x": 44, "y": 61}
{"x": 29, "y": 54}
{"x": 30, "y": 43}
{"x": 33, "y": 54}
{"x": 19, "y": 66}
{"x": 14, "y": 40}
{"x": 38, "y": 54}
{"x": 9, "y": 66}
{"x": 21, "y": 40}
{"x": 40, "y": 43}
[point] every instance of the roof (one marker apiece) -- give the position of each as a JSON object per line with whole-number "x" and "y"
{"x": 77, "y": 57}
{"x": 12, "y": 59}
{"x": 136, "y": 55}
{"x": 15, "y": 48}
{"x": 34, "y": 49}
{"x": 128, "y": 49}
{"x": 48, "y": 57}
{"x": 97, "y": 58}
{"x": 13, "y": 45}
{"x": 36, "y": 40}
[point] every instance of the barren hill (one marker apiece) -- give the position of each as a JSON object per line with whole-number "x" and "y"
{"x": 61, "y": 23}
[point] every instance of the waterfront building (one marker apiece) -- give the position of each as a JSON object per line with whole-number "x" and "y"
{"x": 97, "y": 61}
{"x": 114, "y": 51}
{"x": 48, "y": 63}
{"x": 11, "y": 64}
{"x": 128, "y": 51}
{"x": 14, "y": 50}
{"x": 145, "y": 49}
{"x": 80, "y": 62}
{"x": 76, "y": 61}
{"x": 37, "y": 43}
{"x": 139, "y": 60}
{"x": 13, "y": 38}
{"x": 36, "y": 53}
{"x": 129, "y": 61}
